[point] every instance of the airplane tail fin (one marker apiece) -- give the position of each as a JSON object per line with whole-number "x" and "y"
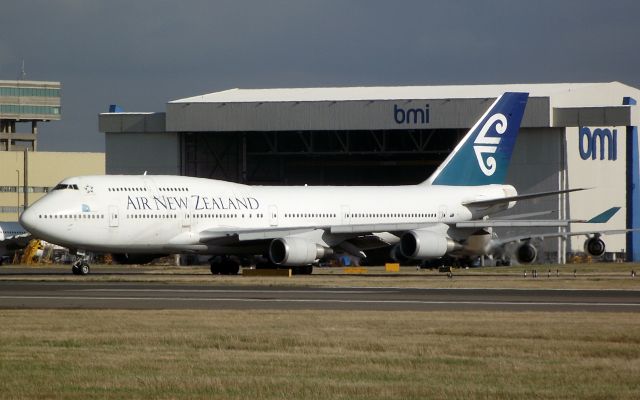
{"x": 482, "y": 156}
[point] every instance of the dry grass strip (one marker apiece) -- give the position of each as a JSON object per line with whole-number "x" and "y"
{"x": 76, "y": 354}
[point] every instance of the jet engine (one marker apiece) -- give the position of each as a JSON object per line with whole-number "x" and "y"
{"x": 396, "y": 254}
{"x": 425, "y": 244}
{"x": 295, "y": 251}
{"x": 594, "y": 246}
{"x": 526, "y": 253}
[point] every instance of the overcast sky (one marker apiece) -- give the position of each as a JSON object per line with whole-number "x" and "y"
{"x": 141, "y": 54}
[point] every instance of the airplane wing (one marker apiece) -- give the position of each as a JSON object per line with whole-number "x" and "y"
{"x": 593, "y": 232}
{"x": 501, "y": 223}
{"x": 237, "y": 234}
{"x": 225, "y": 235}
{"x": 13, "y": 236}
{"x": 353, "y": 239}
{"x": 16, "y": 241}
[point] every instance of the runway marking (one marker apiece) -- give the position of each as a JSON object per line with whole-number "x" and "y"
{"x": 419, "y": 302}
{"x": 310, "y": 290}
{"x": 349, "y": 290}
{"x": 505, "y": 289}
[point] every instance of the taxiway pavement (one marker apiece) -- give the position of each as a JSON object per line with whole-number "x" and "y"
{"x": 117, "y": 295}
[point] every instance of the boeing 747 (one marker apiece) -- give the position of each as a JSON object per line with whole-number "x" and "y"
{"x": 139, "y": 217}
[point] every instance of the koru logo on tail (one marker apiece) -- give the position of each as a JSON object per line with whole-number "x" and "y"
{"x": 488, "y": 144}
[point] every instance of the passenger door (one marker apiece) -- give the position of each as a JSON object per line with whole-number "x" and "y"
{"x": 345, "y": 215}
{"x": 442, "y": 213}
{"x": 186, "y": 220}
{"x": 113, "y": 217}
{"x": 273, "y": 215}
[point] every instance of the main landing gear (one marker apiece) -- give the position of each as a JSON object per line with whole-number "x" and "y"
{"x": 231, "y": 266}
{"x": 299, "y": 270}
{"x": 224, "y": 266}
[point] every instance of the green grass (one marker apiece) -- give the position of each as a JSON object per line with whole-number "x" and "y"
{"x": 318, "y": 355}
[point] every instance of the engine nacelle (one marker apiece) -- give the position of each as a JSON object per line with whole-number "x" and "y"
{"x": 526, "y": 253}
{"x": 425, "y": 244}
{"x": 594, "y": 247}
{"x": 396, "y": 254}
{"x": 295, "y": 251}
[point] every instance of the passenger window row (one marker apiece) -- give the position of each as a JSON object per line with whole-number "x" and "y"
{"x": 197, "y": 216}
{"x": 309, "y": 215}
{"x": 171, "y": 189}
{"x": 217, "y": 216}
{"x": 393, "y": 215}
{"x": 151, "y": 216}
{"x": 361, "y": 215}
{"x": 126, "y": 189}
{"x": 71, "y": 216}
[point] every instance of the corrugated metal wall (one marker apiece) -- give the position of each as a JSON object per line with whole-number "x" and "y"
{"x": 348, "y": 115}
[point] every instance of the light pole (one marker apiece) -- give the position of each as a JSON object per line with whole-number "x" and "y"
{"x": 18, "y": 192}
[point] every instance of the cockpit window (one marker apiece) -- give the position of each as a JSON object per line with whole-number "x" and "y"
{"x": 62, "y": 186}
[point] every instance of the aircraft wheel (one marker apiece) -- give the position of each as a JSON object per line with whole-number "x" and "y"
{"x": 215, "y": 268}
{"x": 233, "y": 269}
{"x": 230, "y": 267}
{"x": 84, "y": 269}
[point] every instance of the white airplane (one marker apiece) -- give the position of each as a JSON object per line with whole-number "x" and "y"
{"x": 12, "y": 237}
{"x": 139, "y": 217}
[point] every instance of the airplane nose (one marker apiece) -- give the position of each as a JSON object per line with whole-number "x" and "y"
{"x": 28, "y": 219}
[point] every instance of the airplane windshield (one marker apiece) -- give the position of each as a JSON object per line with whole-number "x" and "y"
{"x": 62, "y": 186}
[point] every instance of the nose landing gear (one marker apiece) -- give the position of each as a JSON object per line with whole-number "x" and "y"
{"x": 80, "y": 267}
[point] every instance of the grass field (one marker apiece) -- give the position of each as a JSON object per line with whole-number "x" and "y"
{"x": 83, "y": 354}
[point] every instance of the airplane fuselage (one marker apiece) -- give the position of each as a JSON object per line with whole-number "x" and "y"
{"x": 148, "y": 214}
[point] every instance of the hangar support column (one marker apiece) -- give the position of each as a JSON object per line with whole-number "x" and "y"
{"x": 633, "y": 188}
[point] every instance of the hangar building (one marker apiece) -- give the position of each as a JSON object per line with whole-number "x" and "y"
{"x": 573, "y": 135}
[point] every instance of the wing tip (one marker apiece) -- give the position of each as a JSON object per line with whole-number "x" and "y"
{"x": 604, "y": 216}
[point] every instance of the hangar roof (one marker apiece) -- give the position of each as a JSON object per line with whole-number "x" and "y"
{"x": 381, "y": 108}
{"x": 386, "y": 92}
